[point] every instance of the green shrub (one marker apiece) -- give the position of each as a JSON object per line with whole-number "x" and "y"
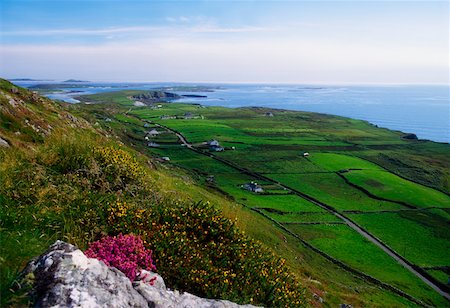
{"x": 81, "y": 189}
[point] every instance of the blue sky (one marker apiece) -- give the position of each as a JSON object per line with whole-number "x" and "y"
{"x": 226, "y": 41}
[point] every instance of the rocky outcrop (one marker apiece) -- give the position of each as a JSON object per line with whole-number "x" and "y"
{"x": 64, "y": 277}
{"x": 410, "y": 136}
{"x": 155, "y": 96}
{"x": 31, "y": 118}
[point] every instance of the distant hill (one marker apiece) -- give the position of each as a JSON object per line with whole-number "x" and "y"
{"x": 75, "y": 80}
{"x": 55, "y": 86}
{"x": 28, "y": 79}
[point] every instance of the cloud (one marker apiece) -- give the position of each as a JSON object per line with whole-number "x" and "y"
{"x": 182, "y": 19}
{"x": 71, "y": 31}
{"x": 233, "y": 60}
{"x": 200, "y": 28}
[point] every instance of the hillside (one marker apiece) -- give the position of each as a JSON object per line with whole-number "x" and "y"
{"x": 61, "y": 178}
{"x": 79, "y": 172}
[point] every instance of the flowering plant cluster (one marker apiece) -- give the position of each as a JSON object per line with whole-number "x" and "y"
{"x": 118, "y": 163}
{"x": 125, "y": 252}
{"x": 201, "y": 252}
{"x": 108, "y": 190}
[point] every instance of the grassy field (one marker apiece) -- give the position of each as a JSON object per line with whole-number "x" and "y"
{"x": 331, "y": 189}
{"x": 377, "y": 161}
{"x": 421, "y": 237}
{"x": 345, "y": 244}
{"x": 440, "y": 275}
{"x": 305, "y": 217}
{"x": 337, "y": 162}
{"x": 387, "y": 185}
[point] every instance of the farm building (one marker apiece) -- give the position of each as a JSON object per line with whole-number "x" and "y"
{"x": 253, "y": 186}
{"x": 269, "y": 114}
{"x": 153, "y": 133}
{"x": 188, "y": 115}
{"x": 216, "y": 148}
{"x": 213, "y": 142}
{"x": 153, "y": 145}
{"x": 146, "y": 125}
{"x": 305, "y": 154}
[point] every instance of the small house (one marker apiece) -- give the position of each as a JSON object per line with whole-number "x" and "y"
{"x": 305, "y": 154}
{"x": 269, "y": 114}
{"x": 213, "y": 142}
{"x": 216, "y": 148}
{"x": 254, "y": 187}
{"x": 166, "y": 158}
{"x": 153, "y": 133}
{"x": 188, "y": 115}
{"x": 146, "y": 125}
{"x": 166, "y": 117}
{"x": 153, "y": 145}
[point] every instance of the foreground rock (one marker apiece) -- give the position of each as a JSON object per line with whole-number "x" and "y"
{"x": 63, "y": 276}
{"x": 3, "y": 143}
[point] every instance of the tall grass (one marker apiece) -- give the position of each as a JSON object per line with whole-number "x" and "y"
{"x": 80, "y": 188}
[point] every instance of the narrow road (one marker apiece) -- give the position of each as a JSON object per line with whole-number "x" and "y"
{"x": 405, "y": 263}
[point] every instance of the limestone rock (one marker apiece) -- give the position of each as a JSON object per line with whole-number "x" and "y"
{"x": 3, "y": 142}
{"x": 162, "y": 298}
{"x": 64, "y": 277}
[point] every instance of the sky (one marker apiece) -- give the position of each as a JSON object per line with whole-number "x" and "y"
{"x": 324, "y": 42}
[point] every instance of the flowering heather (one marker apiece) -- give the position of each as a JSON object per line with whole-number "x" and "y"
{"x": 125, "y": 252}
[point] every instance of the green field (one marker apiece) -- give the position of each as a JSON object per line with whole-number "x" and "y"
{"x": 421, "y": 237}
{"x": 331, "y": 189}
{"x": 308, "y": 217}
{"x": 392, "y": 187}
{"x": 345, "y": 244}
{"x": 352, "y": 166}
{"x": 440, "y": 275}
{"x": 336, "y": 162}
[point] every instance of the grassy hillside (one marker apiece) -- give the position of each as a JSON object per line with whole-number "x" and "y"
{"x": 93, "y": 174}
{"x": 65, "y": 180}
{"x": 372, "y": 175}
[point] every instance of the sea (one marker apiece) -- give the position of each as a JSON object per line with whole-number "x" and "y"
{"x": 420, "y": 109}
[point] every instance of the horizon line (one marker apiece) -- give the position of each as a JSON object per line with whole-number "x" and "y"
{"x": 84, "y": 80}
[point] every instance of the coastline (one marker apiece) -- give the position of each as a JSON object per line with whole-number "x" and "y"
{"x": 421, "y": 110}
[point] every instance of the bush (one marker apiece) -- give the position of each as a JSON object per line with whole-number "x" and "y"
{"x": 125, "y": 252}
{"x": 102, "y": 190}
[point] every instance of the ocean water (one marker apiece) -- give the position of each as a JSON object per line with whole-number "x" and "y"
{"x": 422, "y": 110}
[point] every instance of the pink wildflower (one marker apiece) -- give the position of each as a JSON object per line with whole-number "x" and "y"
{"x": 125, "y": 252}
